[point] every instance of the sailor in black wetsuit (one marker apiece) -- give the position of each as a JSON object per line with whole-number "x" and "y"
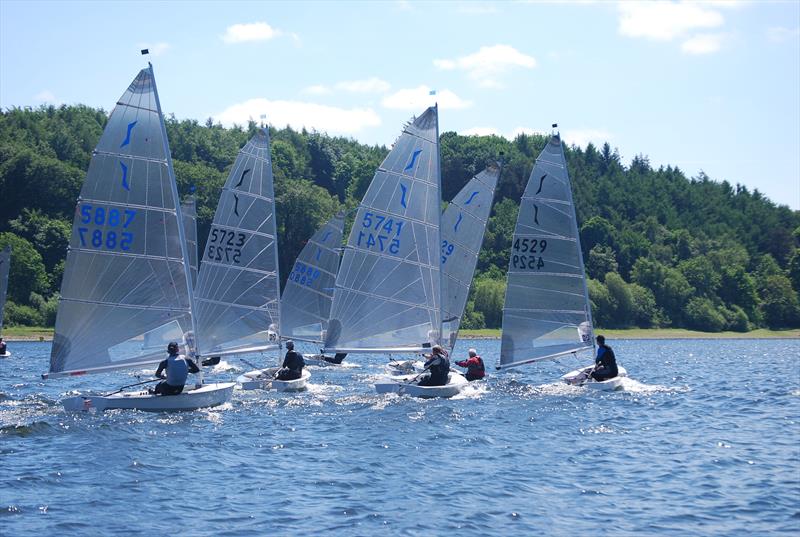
{"x": 293, "y": 363}
{"x": 605, "y": 366}
{"x": 438, "y": 366}
{"x": 3, "y": 347}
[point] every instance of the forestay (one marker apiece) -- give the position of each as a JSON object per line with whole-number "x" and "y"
{"x": 463, "y": 227}
{"x": 5, "y": 265}
{"x": 307, "y": 297}
{"x": 237, "y": 289}
{"x": 125, "y": 274}
{"x": 388, "y": 290}
{"x": 189, "y": 212}
{"x": 546, "y": 312}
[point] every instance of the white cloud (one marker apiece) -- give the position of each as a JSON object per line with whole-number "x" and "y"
{"x": 779, "y": 34}
{"x": 370, "y": 85}
{"x": 581, "y": 137}
{"x": 300, "y": 114}
{"x": 480, "y": 131}
{"x": 46, "y": 96}
{"x": 420, "y": 97}
{"x": 664, "y": 21}
{"x": 489, "y": 62}
{"x": 156, "y": 49}
{"x": 256, "y": 31}
{"x": 318, "y": 89}
{"x": 702, "y": 44}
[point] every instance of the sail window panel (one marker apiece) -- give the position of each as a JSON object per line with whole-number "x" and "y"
{"x": 233, "y": 328}
{"x": 160, "y": 234}
{"x": 382, "y": 278}
{"x": 85, "y": 332}
{"x": 241, "y": 212}
{"x": 543, "y": 220}
{"x": 538, "y": 336}
{"x": 545, "y": 292}
{"x": 384, "y": 324}
{"x": 239, "y": 287}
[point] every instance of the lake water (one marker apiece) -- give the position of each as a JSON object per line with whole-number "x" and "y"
{"x": 704, "y": 441}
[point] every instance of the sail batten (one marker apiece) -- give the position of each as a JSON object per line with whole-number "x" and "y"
{"x": 547, "y": 311}
{"x": 388, "y": 288}
{"x": 237, "y": 287}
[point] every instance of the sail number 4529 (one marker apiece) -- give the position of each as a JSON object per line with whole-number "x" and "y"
{"x": 528, "y": 246}
{"x": 380, "y": 233}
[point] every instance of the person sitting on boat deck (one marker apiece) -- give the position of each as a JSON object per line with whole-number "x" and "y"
{"x": 605, "y": 366}
{"x": 336, "y": 358}
{"x": 292, "y": 367}
{"x": 438, "y": 367}
{"x": 178, "y": 368}
{"x": 3, "y": 347}
{"x": 474, "y": 364}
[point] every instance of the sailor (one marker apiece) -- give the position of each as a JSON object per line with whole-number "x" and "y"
{"x": 3, "y": 347}
{"x": 474, "y": 364}
{"x": 178, "y": 368}
{"x": 336, "y": 358}
{"x": 605, "y": 366}
{"x": 293, "y": 363}
{"x": 438, "y": 367}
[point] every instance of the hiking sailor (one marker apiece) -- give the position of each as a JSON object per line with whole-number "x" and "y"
{"x": 605, "y": 366}
{"x": 178, "y": 368}
{"x": 438, "y": 367}
{"x": 292, "y": 367}
{"x": 474, "y": 364}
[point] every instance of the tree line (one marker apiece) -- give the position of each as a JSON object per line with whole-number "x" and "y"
{"x": 661, "y": 249}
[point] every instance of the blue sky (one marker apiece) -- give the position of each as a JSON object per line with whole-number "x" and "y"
{"x": 711, "y": 86}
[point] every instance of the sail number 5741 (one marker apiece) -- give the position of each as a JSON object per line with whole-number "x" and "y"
{"x": 380, "y": 233}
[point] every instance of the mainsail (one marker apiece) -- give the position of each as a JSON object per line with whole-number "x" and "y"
{"x": 126, "y": 274}
{"x": 5, "y": 265}
{"x": 306, "y": 300}
{"x": 388, "y": 290}
{"x": 237, "y": 289}
{"x": 463, "y": 227}
{"x": 547, "y": 311}
{"x": 189, "y": 212}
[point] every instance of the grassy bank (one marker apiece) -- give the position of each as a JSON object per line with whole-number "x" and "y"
{"x": 660, "y": 333}
{"x": 35, "y": 333}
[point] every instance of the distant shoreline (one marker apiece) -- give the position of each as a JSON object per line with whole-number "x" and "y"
{"x": 27, "y": 333}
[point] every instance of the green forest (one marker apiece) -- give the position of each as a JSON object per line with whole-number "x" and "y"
{"x": 661, "y": 249}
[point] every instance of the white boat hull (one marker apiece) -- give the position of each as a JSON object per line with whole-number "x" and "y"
{"x": 5, "y": 355}
{"x": 580, "y": 377}
{"x": 318, "y": 361}
{"x": 208, "y": 395}
{"x": 263, "y": 379}
{"x": 402, "y": 385}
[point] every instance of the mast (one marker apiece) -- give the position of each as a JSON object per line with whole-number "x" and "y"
{"x": 439, "y": 224}
{"x": 190, "y": 341}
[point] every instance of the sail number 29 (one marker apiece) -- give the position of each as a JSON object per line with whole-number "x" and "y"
{"x": 106, "y": 239}
{"x": 528, "y": 246}
{"x": 380, "y": 233}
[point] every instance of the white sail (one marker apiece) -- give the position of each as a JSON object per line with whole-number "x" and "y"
{"x": 237, "y": 289}
{"x": 388, "y": 290}
{"x": 463, "y": 226}
{"x": 307, "y": 297}
{"x": 126, "y": 273}
{"x": 189, "y": 212}
{"x": 547, "y": 311}
{"x": 5, "y": 265}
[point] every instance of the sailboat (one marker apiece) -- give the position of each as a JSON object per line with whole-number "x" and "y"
{"x": 127, "y": 272}
{"x": 463, "y": 228}
{"x": 5, "y": 265}
{"x": 307, "y": 297}
{"x": 237, "y": 290}
{"x": 387, "y": 297}
{"x": 547, "y": 313}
